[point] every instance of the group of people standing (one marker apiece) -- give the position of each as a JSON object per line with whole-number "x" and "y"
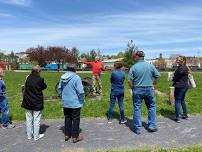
{"x": 142, "y": 78}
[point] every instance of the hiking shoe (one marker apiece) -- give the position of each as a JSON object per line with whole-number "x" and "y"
{"x": 152, "y": 129}
{"x": 185, "y": 117}
{"x": 79, "y": 138}
{"x": 123, "y": 121}
{"x": 177, "y": 120}
{"x": 138, "y": 132}
{"x": 9, "y": 126}
{"x": 39, "y": 137}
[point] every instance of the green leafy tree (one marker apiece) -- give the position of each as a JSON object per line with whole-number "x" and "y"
{"x": 128, "y": 55}
{"x": 2, "y": 56}
{"x": 119, "y": 55}
{"x": 13, "y": 60}
{"x": 93, "y": 54}
{"x": 75, "y": 54}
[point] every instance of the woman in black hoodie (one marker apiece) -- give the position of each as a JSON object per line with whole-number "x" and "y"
{"x": 180, "y": 82}
{"x": 33, "y": 102}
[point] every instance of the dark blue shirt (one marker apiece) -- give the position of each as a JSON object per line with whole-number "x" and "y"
{"x": 117, "y": 79}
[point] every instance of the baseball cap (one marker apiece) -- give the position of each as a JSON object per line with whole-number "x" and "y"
{"x": 140, "y": 53}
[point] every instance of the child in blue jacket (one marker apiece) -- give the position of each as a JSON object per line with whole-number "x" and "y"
{"x": 4, "y": 103}
{"x": 117, "y": 91}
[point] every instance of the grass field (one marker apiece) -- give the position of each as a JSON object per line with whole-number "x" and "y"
{"x": 93, "y": 108}
{"x": 197, "y": 148}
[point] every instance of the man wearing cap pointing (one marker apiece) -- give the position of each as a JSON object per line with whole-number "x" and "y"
{"x": 141, "y": 78}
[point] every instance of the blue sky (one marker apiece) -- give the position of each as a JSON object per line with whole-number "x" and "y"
{"x": 169, "y": 27}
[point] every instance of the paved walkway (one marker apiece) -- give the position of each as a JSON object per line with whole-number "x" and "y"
{"x": 99, "y": 134}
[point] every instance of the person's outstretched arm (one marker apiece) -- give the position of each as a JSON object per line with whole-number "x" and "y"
{"x": 85, "y": 63}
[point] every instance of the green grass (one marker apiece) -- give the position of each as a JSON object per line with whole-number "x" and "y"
{"x": 179, "y": 149}
{"x": 92, "y": 108}
{"x": 196, "y": 148}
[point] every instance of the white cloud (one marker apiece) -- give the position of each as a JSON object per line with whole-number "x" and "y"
{"x": 153, "y": 32}
{"x": 6, "y": 15}
{"x": 17, "y": 2}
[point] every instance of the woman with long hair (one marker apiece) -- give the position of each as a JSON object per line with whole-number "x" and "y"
{"x": 180, "y": 82}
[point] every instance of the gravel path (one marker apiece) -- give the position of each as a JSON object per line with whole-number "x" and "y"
{"x": 99, "y": 134}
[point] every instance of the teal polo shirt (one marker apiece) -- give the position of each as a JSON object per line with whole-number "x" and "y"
{"x": 142, "y": 74}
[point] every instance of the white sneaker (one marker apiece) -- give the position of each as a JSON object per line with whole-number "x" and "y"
{"x": 123, "y": 121}
{"x": 40, "y": 136}
{"x": 109, "y": 121}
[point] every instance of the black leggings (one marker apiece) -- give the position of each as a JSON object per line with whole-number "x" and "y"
{"x": 72, "y": 122}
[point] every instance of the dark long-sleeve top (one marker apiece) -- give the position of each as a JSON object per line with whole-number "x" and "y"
{"x": 180, "y": 78}
{"x": 33, "y": 95}
{"x": 117, "y": 79}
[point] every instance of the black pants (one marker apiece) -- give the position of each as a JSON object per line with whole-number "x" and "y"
{"x": 72, "y": 121}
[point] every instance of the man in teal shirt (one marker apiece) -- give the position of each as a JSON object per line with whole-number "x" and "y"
{"x": 142, "y": 76}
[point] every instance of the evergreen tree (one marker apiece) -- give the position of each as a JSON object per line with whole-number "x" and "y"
{"x": 128, "y": 55}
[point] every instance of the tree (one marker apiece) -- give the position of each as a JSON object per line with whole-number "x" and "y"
{"x": 38, "y": 54}
{"x": 128, "y": 55}
{"x": 75, "y": 54}
{"x": 119, "y": 55}
{"x": 2, "y": 56}
{"x": 12, "y": 59}
{"x": 57, "y": 55}
{"x": 92, "y": 55}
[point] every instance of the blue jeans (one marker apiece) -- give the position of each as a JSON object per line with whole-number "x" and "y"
{"x": 179, "y": 94}
{"x": 146, "y": 93}
{"x": 116, "y": 94}
{"x": 4, "y": 110}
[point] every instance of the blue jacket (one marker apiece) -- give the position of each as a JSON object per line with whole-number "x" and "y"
{"x": 2, "y": 89}
{"x": 71, "y": 90}
{"x": 117, "y": 79}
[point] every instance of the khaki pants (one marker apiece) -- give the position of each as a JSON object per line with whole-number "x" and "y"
{"x": 97, "y": 82}
{"x": 33, "y": 123}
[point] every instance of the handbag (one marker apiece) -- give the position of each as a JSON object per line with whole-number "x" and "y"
{"x": 191, "y": 82}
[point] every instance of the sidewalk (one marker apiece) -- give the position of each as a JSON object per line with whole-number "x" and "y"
{"x": 98, "y": 134}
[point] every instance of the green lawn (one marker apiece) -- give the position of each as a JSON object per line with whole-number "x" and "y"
{"x": 92, "y": 108}
{"x": 197, "y": 148}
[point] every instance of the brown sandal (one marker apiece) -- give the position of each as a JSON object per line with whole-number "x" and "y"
{"x": 67, "y": 138}
{"x": 79, "y": 138}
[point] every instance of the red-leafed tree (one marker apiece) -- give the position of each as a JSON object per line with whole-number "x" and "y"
{"x": 59, "y": 55}
{"x": 37, "y": 54}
